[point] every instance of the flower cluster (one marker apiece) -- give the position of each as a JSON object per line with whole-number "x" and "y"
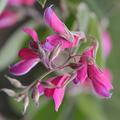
{"x": 12, "y": 14}
{"x": 83, "y": 69}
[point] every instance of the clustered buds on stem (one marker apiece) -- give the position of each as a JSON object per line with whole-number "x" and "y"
{"x": 82, "y": 68}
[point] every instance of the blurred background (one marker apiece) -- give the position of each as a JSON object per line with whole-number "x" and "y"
{"x": 83, "y": 106}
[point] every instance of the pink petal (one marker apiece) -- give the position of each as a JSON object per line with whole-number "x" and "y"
{"x": 91, "y": 51}
{"x": 54, "y": 40}
{"x": 57, "y": 93}
{"x": 31, "y": 32}
{"x": 100, "y": 89}
{"x": 100, "y": 82}
{"x": 107, "y": 78}
{"x": 56, "y": 24}
{"x": 41, "y": 88}
{"x": 8, "y": 18}
{"x": 28, "y": 2}
{"x": 107, "y": 43}
{"x": 81, "y": 74}
{"x": 58, "y": 97}
{"x": 15, "y": 2}
{"x": 21, "y": 2}
{"x": 23, "y": 67}
{"x": 27, "y": 53}
{"x": 53, "y": 21}
{"x": 54, "y": 80}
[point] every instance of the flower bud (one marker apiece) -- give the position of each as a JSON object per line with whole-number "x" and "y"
{"x": 35, "y": 95}
{"x": 9, "y": 92}
{"x": 26, "y": 103}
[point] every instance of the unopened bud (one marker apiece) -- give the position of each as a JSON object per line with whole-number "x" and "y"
{"x": 36, "y": 95}
{"x": 26, "y": 103}
{"x": 9, "y": 92}
{"x": 14, "y": 82}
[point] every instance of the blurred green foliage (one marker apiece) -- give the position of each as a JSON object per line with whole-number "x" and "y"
{"x": 83, "y": 106}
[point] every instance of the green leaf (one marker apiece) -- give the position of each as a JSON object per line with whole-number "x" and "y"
{"x": 94, "y": 30}
{"x": 83, "y": 23}
{"x": 42, "y": 2}
{"x": 9, "y": 51}
{"x": 94, "y": 5}
{"x": 83, "y": 17}
{"x": 47, "y": 112}
{"x": 88, "y": 23}
{"x": 90, "y": 107}
{"x": 3, "y": 4}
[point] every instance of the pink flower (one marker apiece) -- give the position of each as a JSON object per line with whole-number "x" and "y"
{"x": 29, "y": 59}
{"x": 57, "y": 93}
{"x": 31, "y": 32}
{"x": 89, "y": 72}
{"x": 107, "y": 43}
{"x": 9, "y": 18}
{"x": 30, "y": 56}
{"x": 60, "y": 28}
{"x": 21, "y": 2}
{"x": 53, "y": 40}
{"x": 56, "y": 24}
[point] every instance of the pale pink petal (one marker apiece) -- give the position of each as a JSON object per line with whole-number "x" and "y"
{"x": 23, "y": 67}
{"x": 56, "y": 24}
{"x": 8, "y": 18}
{"x": 81, "y": 74}
{"x": 107, "y": 43}
{"x": 31, "y": 32}
{"x": 27, "y": 53}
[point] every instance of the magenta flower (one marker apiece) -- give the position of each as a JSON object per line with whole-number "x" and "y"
{"x": 89, "y": 72}
{"x": 57, "y": 93}
{"x": 107, "y": 43}
{"x": 56, "y": 24}
{"x": 21, "y": 2}
{"x": 53, "y": 40}
{"x": 9, "y": 18}
{"x": 30, "y": 57}
{"x": 60, "y": 28}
